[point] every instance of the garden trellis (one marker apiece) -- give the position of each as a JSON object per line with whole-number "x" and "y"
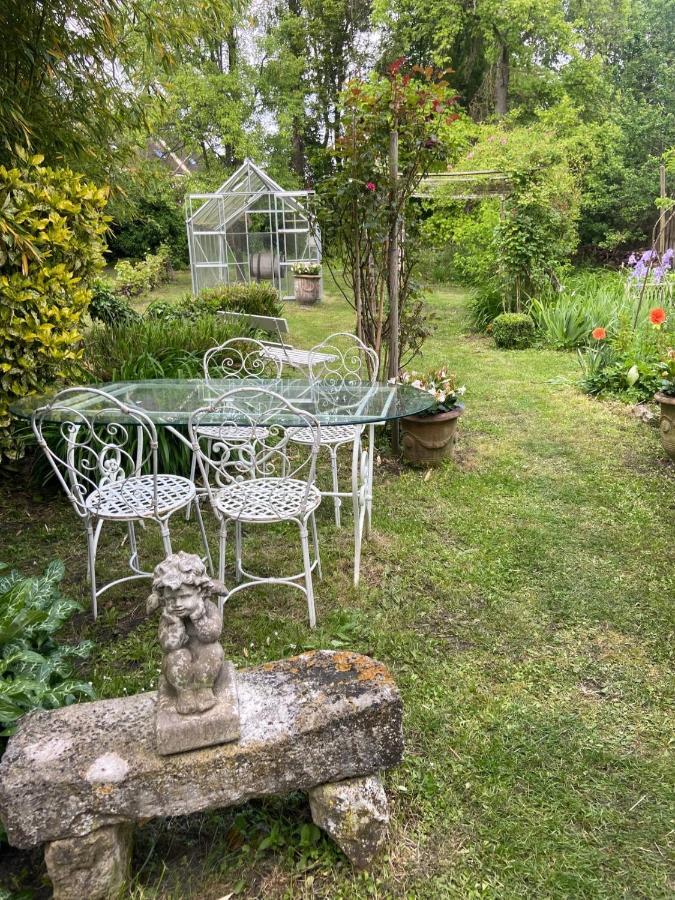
{"x": 250, "y": 229}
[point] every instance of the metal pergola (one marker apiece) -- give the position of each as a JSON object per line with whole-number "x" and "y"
{"x": 250, "y": 229}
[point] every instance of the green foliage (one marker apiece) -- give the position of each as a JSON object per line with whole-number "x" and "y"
{"x": 254, "y": 299}
{"x": 514, "y": 253}
{"x": 51, "y": 245}
{"x": 77, "y": 76}
{"x": 151, "y": 348}
{"x": 148, "y": 215}
{"x": 132, "y": 279}
{"x": 362, "y": 208}
{"x": 513, "y": 331}
{"x": 586, "y": 300}
{"x": 630, "y": 363}
{"x": 107, "y": 307}
{"x": 35, "y": 671}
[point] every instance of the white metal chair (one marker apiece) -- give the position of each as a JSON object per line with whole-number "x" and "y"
{"x": 241, "y": 358}
{"x": 105, "y": 458}
{"x": 338, "y": 363}
{"x": 255, "y": 480}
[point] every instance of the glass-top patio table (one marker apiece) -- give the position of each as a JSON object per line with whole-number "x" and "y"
{"x": 170, "y": 402}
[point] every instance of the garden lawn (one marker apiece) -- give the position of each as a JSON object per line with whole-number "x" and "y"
{"x": 522, "y": 597}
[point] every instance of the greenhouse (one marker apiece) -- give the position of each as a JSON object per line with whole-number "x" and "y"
{"x": 250, "y": 229}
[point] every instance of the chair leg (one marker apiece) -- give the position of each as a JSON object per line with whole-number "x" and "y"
{"x": 166, "y": 537}
{"x": 369, "y": 490}
{"x": 337, "y": 501}
{"x": 222, "y": 547}
{"x": 193, "y": 472}
{"x": 202, "y": 531}
{"x": 359, "y": 516}
{"x": 91, "y": 568}
{"x": 134, "y": 561}
{"x": 237, "y": 552}
{"x": 315, "y": 541}
{"x": 309, "y": 587}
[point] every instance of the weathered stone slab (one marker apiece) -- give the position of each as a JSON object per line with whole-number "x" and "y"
{"x": 94, "y": 867}
{"x": 177, "y": 733}
{"x": 316, "y": 718}
{"x": 355, "y": 813}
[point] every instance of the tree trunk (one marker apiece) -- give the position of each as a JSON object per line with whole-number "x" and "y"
{"x": 393, "y": 273}
{"x": 502, "y": 77}
{"x": 298, "y": 158}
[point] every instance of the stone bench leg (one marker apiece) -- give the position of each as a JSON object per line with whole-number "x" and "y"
{"x": 355, "y": 813}
{"x": 94, "y": 866}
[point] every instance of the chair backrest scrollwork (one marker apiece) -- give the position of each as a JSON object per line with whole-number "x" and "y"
{"x": 242, "y": 358}
{"x": 342, "y": 360}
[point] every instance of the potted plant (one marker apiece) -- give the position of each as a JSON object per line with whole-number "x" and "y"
{"x": 666, "y": 398}
{"x": 307, "y": 282}
{"x": 428, "y": 438}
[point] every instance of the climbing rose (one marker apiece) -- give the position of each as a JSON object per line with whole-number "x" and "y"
{"x": 370, "y": 186}
{"x": 657, "y": 316}
{"x": 599, "y": 334}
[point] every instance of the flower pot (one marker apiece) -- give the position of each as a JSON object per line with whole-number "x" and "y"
{"x": 428, "y": 440}
{"x": 667, "y": 422}
{"x": 307, "y": 288}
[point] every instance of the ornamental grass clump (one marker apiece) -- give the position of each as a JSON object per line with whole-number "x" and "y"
{"x": 440, "y": 383}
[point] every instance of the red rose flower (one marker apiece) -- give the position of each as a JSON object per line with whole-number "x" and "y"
{"x": 657, "y": 316}
{"x": 599, "y": 334}
{"x": 371, "y": 186}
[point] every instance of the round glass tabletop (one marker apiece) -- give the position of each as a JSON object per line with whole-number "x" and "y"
{"x": 171, "y": 402}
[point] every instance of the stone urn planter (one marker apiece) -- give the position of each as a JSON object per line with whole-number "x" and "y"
{"x": 428, "y": 440}
{"x": 307, "y": 288}
{"x": 667, "y": 404}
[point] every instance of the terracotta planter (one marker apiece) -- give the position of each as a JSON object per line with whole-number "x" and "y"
{"x": 307, "y": 288}
{"x": 428, "y": 440}
{"x": 667, "y": 423}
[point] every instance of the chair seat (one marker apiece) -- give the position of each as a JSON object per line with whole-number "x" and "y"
{"x": 267, "y": 499}
{"x": 233, "y": 432}
{"x": 330, "y": 434}
{"x": 133, "y": 498}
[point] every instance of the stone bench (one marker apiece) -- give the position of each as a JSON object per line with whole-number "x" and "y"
{"x": 77, "y": 778}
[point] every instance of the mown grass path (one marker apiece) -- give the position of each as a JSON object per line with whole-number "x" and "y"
{"x": 523, "y": 598}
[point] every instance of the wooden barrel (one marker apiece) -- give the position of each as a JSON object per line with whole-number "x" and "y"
{"x": 263, "y": 265}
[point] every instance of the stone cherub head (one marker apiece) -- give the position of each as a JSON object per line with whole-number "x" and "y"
{"x": 189, "y": 630}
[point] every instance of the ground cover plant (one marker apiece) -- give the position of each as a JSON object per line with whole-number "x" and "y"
{"x": 521, "y": 598}
{"x": 35, "y": 671}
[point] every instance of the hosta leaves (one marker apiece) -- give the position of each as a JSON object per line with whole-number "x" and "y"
{"x": 35, "y": 671}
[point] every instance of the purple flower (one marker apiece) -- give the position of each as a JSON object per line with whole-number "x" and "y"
{"x": 632, "y": 259}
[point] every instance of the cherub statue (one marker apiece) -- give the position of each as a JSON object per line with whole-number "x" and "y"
{"x": 189, "y": 630}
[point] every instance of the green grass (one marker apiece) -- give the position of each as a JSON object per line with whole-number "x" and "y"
{"x": 522, "y": 597}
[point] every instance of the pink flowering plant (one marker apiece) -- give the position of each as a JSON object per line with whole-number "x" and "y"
{"x": 440, "y": 383}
